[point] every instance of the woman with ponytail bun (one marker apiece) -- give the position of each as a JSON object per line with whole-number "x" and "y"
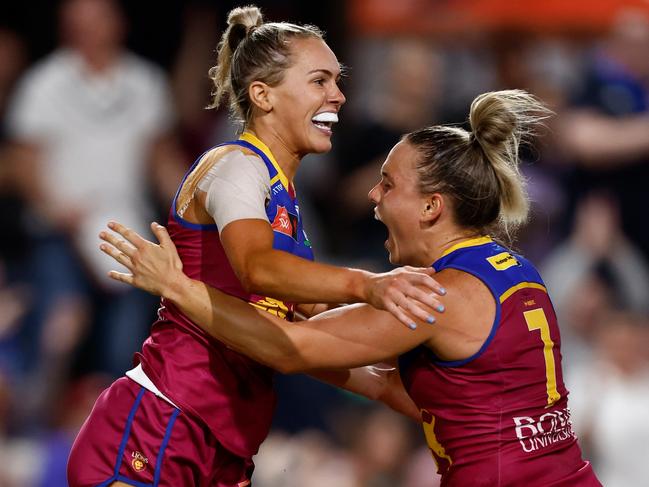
{"x": 193, "y": 411}
{"x": 486, "y": 377}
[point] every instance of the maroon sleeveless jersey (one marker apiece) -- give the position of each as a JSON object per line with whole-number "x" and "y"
{"x": 501, "y": 417}
{"x": 232, "y": 394}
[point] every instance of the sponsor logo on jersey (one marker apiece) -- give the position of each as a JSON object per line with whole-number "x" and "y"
{"x": 502, "y": 261}
{"x": 285, "y": 222}
{"x": 537, "y": 433}
{"x": 139, "y": 461}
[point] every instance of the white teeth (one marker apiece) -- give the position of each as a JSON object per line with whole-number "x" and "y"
{"x": 329, "y": 117}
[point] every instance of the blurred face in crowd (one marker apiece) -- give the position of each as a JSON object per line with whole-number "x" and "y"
{"x": 90, "y": 25}
{"x": 305, "y": 104}
{"x": 399, "y": 204}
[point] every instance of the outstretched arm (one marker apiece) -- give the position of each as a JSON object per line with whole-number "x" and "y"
{"x": 404, "y": 292}
{"x": 341, "y": 338}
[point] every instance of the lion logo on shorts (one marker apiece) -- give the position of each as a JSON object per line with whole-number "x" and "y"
{"x": 139, "y": 461}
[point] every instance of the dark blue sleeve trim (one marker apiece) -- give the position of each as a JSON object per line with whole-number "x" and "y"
{"x": 492, "y": 333}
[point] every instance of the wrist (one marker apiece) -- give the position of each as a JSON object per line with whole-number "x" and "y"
{"x": 176, "y": 288}
{"x": 361, "y": 286}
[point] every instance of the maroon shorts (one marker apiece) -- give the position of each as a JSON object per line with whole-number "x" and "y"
{"x": 134, "y": 437}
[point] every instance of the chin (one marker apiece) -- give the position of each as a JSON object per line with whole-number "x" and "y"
{"x": 321, "y": 147}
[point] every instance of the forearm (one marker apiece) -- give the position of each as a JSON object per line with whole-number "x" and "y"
{"x": 378, "y": 383}
{"x": 347, "y": 337}
{"x": 244, "y": 328}
{"x": 287, "y": 277}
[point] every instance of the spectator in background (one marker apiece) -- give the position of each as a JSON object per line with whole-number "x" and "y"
{"x": 606, "y": 134}
{"x": 13, "y": 245}
{"x": 396, "y": 106}
{"x": 595, "y": 270}
{"x": 90, "y": 124}
{"x": 610, "y": 397}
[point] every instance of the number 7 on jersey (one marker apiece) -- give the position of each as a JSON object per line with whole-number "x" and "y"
{"x": 536, "y": 320}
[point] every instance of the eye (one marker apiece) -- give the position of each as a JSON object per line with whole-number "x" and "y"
{"x": 319, "y": 81}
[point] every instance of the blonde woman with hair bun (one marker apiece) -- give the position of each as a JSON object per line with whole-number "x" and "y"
{"x": 486, "y": 378}
{"x": 193, "y": 411}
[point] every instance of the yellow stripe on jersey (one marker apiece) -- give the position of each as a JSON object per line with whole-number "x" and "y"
{"x": 522, "y": 285}
{"x": 468, "y": 243}
{"x": 252, "y": 139}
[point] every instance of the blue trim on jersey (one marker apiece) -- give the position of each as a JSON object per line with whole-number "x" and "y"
{"x": 158, "y": 467}
{"x": 272, "y": 172}
{"x": 492, "y": 333}
{"x": 473, "y": 261}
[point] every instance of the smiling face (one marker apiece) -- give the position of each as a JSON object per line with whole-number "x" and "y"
{"x": 400, "y": 205}
{"x": 305, "y": 104}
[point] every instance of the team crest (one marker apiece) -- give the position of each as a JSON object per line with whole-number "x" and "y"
{"x": 139, "y": 461}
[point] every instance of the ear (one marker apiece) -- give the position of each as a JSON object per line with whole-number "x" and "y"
{"x": 432, "y": 207}
{"x": 259, "y": 93}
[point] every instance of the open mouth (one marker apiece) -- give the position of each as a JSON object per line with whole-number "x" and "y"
{"x": 324, "y": 121}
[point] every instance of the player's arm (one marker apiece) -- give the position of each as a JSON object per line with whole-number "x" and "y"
{"x": 380, "y": 382}
{"x": 264, "y": 270}
{"x": 346, "y": 337}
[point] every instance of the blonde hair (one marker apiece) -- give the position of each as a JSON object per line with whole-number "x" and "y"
{"x": 251, "y": 50}
{"x": 479, "y": 169}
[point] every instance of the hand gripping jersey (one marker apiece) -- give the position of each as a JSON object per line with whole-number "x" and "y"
{"x": 232, "y": 394}
{"x": 501, "y": 417}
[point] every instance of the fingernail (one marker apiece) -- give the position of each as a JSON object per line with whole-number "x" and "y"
{"x": 440, "y": 308}
{"x": 413, "y": 326}
{"x": 111, "y": 224}
{"x": 442, "y": 291}
{"x": 430, "y": 319}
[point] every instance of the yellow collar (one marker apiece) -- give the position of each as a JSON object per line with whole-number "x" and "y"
{"x": 252, "y": 139}
{"x": 467, "y": 243}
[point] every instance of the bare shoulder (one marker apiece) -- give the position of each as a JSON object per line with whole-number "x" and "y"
{"x": 469, "y": 316}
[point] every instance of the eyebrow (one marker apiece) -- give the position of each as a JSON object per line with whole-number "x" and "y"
{"x": 386, "y": 176}
{"x": 325, "y": 71}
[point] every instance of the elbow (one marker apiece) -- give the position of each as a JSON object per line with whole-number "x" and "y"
{"x": 290, "y": 363}
{"x": 253, "y": 280}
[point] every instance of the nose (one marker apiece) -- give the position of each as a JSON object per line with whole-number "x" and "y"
{"x": 337, "y": 96}
{"x": 374, "y": 194}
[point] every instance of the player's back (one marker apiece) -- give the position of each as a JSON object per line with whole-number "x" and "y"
{"x": 500, "y": 417}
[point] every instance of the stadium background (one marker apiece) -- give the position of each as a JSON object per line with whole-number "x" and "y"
{"x": 410, "y": 63}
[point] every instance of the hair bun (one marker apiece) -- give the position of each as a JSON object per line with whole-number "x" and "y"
{"x": 242, "y": 21}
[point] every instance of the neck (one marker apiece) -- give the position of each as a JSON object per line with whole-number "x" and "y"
{"x": 98, "y": 61}
{"x": 287, "y": 158}
{"x": 438, "y": 242}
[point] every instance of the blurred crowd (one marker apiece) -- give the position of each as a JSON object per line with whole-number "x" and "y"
{"x": 100, "y": 116}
